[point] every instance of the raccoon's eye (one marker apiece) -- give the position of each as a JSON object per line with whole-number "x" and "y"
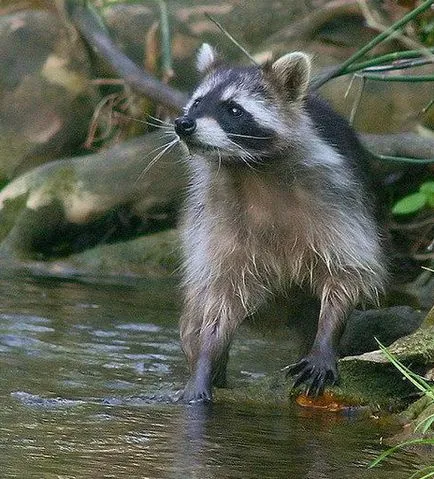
{"x": 196, "y": 102}
{"x": 234, "y": 109}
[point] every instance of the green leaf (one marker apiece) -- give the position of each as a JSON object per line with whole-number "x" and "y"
{"x": 427, "y": 188}
{"x": 410, "y": 204}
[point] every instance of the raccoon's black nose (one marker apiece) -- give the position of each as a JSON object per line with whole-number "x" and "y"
{"x": 185, "y": 125}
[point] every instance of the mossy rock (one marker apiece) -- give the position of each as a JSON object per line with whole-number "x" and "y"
{"x": 413, "y": 419}
{"x": 71, "y": 205}
{"x": 366, "y": 381}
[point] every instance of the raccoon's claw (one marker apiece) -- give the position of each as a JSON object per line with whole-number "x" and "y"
{"x": 189, "y": 397}
{"x": 195, "y": 394}
{"x": 314, "y": 372}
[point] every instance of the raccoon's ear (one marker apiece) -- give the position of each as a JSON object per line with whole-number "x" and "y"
{"x": 206, "y": 58}
{"x": 292, "y": 72}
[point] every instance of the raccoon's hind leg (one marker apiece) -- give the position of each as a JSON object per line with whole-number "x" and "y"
{"x": 207, "y": 328}
{"x": 319, "y": 367}
{"x": 208, "y": 369}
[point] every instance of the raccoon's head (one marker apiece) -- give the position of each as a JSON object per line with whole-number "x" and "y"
{"x": 245, "y": 114}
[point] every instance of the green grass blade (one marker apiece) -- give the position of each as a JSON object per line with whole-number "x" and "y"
{"x": 391, "y": 450}
{"x": 386, "y": 34}
{"x": 397, "y": 78}
{"x": 422, "y": 471}
{"x": 415, "y": 379}
{"x": 425, "y": 424}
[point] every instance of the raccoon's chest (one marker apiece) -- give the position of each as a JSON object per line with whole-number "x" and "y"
{"x": 277, "y": 212}
{"x": 267, "y": 236}
{"x": 274, "y": 223}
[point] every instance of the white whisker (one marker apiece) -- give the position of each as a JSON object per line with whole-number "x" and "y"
{"x": 166, "y": 147}
{"x": 166, "y": 123}
{"x": 246, "y": 157}
{"x": 169, "y": 132}
{"x": 154, "y": 125}
{"x": 250, "y": 136}
{"x": 156, "y": 149}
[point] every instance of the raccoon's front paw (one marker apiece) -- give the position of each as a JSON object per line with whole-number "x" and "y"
{"x": 314, "y": 372}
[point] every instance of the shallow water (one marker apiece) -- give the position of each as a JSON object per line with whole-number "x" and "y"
{"x": 86, "y": 370}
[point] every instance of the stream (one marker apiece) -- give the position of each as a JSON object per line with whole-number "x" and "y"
{"x": 87, "y": 371}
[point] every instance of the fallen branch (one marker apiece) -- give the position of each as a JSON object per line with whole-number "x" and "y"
{"x": 90, "y": 27}
{"x": 400, "y": 145}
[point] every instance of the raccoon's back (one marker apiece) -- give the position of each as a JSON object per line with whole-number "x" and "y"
{"x": 336, "y": 131}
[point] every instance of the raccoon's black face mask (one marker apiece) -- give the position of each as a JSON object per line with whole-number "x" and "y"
{"x": 213, "y": 122}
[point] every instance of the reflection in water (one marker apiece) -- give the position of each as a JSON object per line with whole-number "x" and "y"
{"x": 87, "y": 373}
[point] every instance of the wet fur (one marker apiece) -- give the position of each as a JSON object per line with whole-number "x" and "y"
{"x": 300, "y": 214}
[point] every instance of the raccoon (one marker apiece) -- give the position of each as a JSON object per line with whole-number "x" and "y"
{"x": 278, "y": 200}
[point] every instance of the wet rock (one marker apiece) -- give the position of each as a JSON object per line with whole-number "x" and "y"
{"x": 416, "y": 349}
{"x": 71, "y": 205}
{"x": 417, "y": 426}
{"x": 367, "y": 381}
{"x": 46, "y": 97}
{"x": 151, "y": 256}
{"x": 371, "y": 375}
{"x": 386, "y": 325}
{"x": 421, "y": 290}
{"x": 38, "y": 402}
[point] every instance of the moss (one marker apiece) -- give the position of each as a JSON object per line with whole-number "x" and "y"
{"x": 34, "y": 231}
{"x": 269, "y": 390}
{"x": 371, "y": 385}
{"x": 419, "y": 410}
{"x": 61, "y": 183}
{"x": 375, "y": 384}
{"x": 418, "y": 347}
{"x": 31, "y": 218}
{"x": 154, "y": 255}
{"x": 12, "y": 208}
